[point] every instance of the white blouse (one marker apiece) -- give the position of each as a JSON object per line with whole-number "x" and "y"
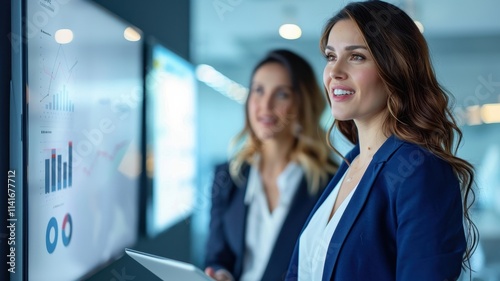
{"x": 315, "y": 239}
{"x": 264, "y": 226}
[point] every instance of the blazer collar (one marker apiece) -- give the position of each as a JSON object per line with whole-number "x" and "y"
{"x": 235, "y": 218}
{"x": 358, "y": 199}
{"x": 285, "y": 241}
{"x": 236, "y": 215}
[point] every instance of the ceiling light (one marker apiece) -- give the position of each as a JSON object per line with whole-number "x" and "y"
{"x": 290, "y": 31}
{"x": 490, "y": 113}
{"x": 64, "y": 36}
{"x": 131, "y": 34}
{"x": 219, "y": 82}
{"x": 473, "y": 115}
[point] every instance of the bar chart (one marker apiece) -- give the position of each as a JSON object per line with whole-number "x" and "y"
{"x": 61, "y": 102}
{"x": 59, "y": 174}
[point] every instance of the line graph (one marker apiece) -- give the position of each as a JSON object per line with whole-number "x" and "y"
{"x": 113, "y": 157}
{"x": 59, "y": 72}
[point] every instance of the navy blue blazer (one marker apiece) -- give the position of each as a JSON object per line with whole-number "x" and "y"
{"x": 226, "y": 241}
{"x": 404, "y": 221}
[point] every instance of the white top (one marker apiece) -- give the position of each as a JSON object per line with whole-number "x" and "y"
{"x": 263, "y": 226}
{"x": 315, "y": 239}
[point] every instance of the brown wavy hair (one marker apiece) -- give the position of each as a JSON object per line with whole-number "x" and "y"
{"x": 417, "y": 104}
{"x": 310, "y": 149}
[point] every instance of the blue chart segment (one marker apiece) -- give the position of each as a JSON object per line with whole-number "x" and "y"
{"x": 61, "y": 102}
{"x": 59, "y": 174}
{"x": 50, "y": 244}
{"x": 52, "y": 233}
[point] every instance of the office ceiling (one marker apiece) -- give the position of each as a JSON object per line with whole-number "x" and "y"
{"x": 232, "y": 34}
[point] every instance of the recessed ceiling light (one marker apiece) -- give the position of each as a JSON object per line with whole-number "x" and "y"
{"x": 131, "y": 34}
{"x": 490, "y": 113}
{"x": 290, "y": 31}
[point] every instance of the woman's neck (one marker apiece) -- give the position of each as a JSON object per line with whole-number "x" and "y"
{"x": 370, "y": 137}
{"x": 274, "y": 155}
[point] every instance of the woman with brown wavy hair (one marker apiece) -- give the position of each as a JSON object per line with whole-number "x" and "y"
{"x": 262, "y": 197}
{"x": 398, "y": 208}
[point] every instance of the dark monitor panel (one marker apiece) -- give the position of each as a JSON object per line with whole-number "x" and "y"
{"x": 83, "y": 84}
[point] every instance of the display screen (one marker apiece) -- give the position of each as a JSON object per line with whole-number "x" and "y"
{"x": 84, "y": 107}
{"x": 171, "y": 138}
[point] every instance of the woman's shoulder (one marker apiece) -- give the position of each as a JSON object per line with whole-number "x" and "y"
{"x": 224, "y": 178}
{"x": 410, "y": 158}
{"x": 396, "y": 148}
{"x": 416, "y": 153}
{"x": 226, "y": 166}
{"x": 223, "y": 166}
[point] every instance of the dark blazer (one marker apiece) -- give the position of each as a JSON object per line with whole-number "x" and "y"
{"x": 404, "y": 221}
{"x": 226, "y": 242}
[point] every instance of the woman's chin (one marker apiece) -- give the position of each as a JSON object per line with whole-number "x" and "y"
{"x": 341, "y": 117}
{"x": 263, "y": 137}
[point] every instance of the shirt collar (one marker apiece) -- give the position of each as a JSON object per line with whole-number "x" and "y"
{"x": 288, "y": 182}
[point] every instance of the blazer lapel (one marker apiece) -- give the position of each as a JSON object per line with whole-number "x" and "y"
{"x": 357, "y": 202}
{"x": 299, "y": 210}
{"x": 235, "y": 221}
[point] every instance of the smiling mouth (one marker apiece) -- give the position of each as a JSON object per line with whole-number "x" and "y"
{"x": 267, "y": 120}
{"x": 340, "y": 92}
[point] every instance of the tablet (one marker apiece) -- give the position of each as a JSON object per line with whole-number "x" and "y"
{"x": 168, "y": 269}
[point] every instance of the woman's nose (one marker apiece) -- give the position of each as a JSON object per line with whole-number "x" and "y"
{"x": 267, "y": 101}
{"x": 337, "y": 71}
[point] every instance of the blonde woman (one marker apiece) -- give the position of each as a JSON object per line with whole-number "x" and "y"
{"x": 262, "y": 197}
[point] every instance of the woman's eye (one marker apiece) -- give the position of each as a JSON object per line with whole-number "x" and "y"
{"x": 258, "y": 90}
{"x": 356, "y": 57}
{"x": 282, "y": 95}
{"x": 330, "y": 57}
